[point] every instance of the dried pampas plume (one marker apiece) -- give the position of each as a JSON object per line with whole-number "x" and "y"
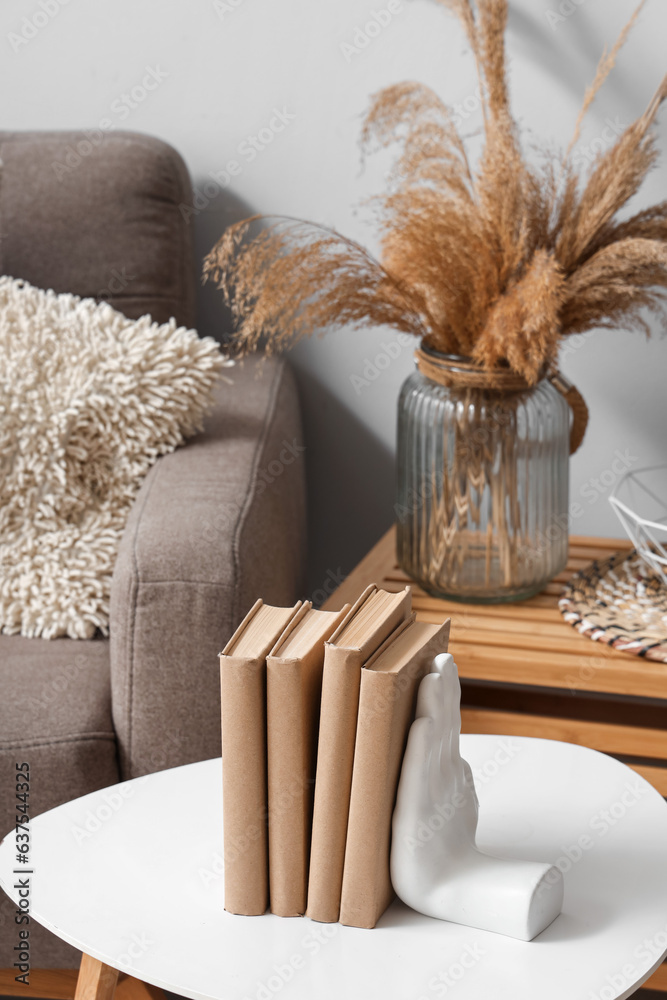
{"x": 497, "y": 263}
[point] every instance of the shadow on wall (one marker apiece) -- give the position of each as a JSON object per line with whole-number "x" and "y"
{"x": 350, "y": 474}
{"x": 212, "y": 212}
{"x": 351, "y": 486}
{"x": 535, "y": 32}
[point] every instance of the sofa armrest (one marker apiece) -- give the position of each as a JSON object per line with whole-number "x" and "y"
{"x": 216, "y": 524}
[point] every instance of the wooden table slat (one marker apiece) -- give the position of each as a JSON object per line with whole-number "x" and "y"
{"x": 492, "y": 625}
{"x": 633, "y": 741}
{"x": 656, "y": 776}
{"x": 658, "y": 980}
{"x": 560, "y": 670}
{"x": 580, "y": 543}
{"x": 546, "y": 605}
{"x": 532, "y": 641}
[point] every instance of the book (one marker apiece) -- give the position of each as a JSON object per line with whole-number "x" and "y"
{"x": 387, "y": 701}
{"x": 244, "y": 779}
{"x": 369, "y": 622}
{"x": 293, "y": 690}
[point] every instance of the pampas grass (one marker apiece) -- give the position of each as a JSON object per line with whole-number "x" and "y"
{"x": 497, "y": 263}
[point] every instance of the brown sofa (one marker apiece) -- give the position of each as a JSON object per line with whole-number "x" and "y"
{"x": 216, "y": 524}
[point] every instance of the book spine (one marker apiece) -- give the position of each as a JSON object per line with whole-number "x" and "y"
{"x": 243, "y": 692}
{"x": 289, "y": 787}
{"x": 335, "y": 757}
{"x": 387, "y": 705}
{"x": 366, "y": 889}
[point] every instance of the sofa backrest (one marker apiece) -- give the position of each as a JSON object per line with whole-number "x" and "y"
{"x": 100, "y": 215}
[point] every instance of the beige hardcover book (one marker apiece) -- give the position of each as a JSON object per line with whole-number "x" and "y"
{"x": 370, "y": 621}
{"x": 387, "y": 701}
{"x": 244, "y": 787}
{"x": 293, "y": 691}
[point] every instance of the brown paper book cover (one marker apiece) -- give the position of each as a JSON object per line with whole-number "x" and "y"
{"x": 387, "y": 701}
{"x": 293, "y": 691}
{"x": 370, "y": 621}
{"x": 244, "y": 782}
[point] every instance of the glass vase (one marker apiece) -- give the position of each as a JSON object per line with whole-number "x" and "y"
{"x": 482, "y": 506}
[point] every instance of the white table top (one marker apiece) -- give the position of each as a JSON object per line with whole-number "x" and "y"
{"x": 131, "y": 875}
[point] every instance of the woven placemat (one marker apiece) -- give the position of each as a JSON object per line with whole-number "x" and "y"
{"x": 622, "y": 602}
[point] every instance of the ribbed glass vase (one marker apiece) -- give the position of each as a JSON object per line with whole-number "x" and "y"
{"x": 482, "y": 506}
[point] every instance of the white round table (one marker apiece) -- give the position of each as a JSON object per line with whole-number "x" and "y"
{"x": 132, "y": 875}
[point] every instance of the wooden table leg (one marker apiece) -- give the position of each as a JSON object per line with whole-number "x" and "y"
{"x": 66, "y": 984}
{"x": 56, "y": 984}
{"x": 130, "y": 988}
{"x": 96, "y": 981}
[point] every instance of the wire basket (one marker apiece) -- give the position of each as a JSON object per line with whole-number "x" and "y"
{"x": 640, "y": 502}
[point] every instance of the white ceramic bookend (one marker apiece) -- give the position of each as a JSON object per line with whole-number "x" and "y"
{"x": 435, "y": 866}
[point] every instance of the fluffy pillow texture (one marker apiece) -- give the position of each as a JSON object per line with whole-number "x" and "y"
{"x": 88, "y": 401}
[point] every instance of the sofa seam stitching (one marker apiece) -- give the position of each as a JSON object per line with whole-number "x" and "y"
{"x": 196, "y": 583}
{"x": 37, "y": 742}
{"x": 136, "y": 584}
{"x": 177, "y": 175}
{"x": 250, "y": 495}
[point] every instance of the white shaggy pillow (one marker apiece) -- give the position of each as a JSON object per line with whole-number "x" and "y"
{"x": 88, "y": 401}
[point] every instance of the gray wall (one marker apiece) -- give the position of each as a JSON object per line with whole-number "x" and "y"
{"x": 219, "y": 71}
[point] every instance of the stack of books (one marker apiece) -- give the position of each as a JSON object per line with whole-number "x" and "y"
{"x": 316, "y": 709}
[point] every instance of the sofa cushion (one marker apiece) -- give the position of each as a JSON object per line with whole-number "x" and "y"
{"x": 99, "y": 214}
{"x": 55, "y": 715}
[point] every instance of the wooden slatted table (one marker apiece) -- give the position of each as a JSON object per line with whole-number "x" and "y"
{"x": 524, "y": 671}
